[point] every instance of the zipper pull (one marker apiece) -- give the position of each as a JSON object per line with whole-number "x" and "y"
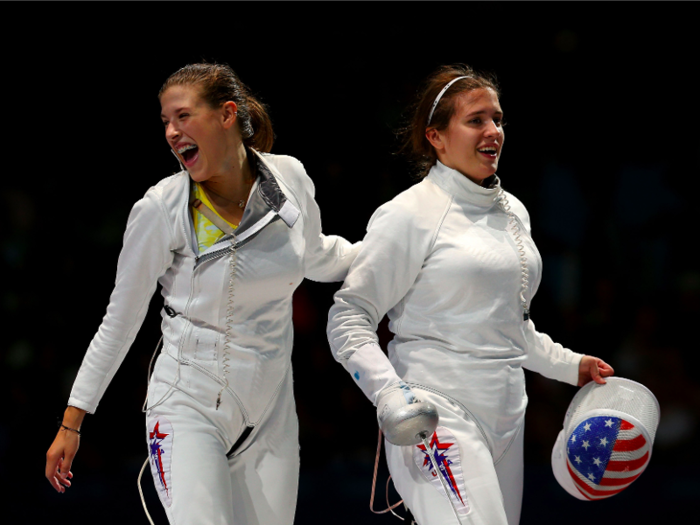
{"x": 170, "y": 311}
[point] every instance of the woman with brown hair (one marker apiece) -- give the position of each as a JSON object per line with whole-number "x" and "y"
{"x": 452, "y": 263}
{"x": 229, "y": 238}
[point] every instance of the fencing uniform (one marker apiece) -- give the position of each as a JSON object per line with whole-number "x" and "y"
{"x": 441, "y": 260}
{"x": 221, "y": 425}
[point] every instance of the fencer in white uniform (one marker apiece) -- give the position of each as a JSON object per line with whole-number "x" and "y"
{"x": 222, "y": 429}
{"x": 446, "y": 261}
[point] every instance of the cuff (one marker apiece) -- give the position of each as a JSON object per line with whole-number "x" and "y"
{"x": 370, "y": 368}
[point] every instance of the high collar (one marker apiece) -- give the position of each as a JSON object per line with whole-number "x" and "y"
{"x": 270, "y": 191}
{"x": 454, "y": 183}
{"x": 266, "y": 204}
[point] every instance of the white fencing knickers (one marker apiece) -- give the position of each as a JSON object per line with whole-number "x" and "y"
{"x": 484, "y": 492}
{"x": 200, "y": 479}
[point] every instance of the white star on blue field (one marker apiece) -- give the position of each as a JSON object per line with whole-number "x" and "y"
{"x": 591, "y": 444}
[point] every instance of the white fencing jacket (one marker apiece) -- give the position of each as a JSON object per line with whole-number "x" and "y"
{"x": 278, "y": 243}
{"x": 441, "y": 261}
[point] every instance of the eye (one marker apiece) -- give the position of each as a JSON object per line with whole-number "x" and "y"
{"x": 476, "y": 120}
{"x": 165, "y": 123}
{"x": 183, "y": 115}
{"x": 499, "y": 121}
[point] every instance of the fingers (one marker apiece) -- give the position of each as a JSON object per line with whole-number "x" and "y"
{"x": 605, "y": 369}
{"x": 65, "y": 466}
{"x": 52, "y": 473}
{"x": 593, "y": 369}
{"x": 595, "y": 373}
{"x": 602, "y": 370}
{"x": 59, "y": 459}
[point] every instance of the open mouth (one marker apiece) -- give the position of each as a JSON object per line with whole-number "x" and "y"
{"x": 189, "y": 154}
{"x": 489, "y": 151}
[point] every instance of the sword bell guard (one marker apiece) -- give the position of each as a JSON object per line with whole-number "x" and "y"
{"x": 408, "y": 424}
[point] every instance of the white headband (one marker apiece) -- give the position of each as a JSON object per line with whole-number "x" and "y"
{"x": 437, "y": 99}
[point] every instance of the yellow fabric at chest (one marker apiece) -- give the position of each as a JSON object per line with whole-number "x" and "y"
{"x": 207, "y": 233}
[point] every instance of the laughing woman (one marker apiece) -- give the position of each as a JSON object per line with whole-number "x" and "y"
{"x": 452, "y": 263}
{"x": 229, "y": 238}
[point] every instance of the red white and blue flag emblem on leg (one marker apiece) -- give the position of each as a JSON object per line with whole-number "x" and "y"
{"x": 443, "y": 454}
{"x": 605, "y": 454}
{"x": 160, "y": 446}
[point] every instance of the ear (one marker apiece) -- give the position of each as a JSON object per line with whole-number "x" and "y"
{"x": 229, "y": 113}
{"x": 435, "y": 139}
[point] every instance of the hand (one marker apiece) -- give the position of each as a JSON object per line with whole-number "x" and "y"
{"x": 593, "y": 369}
{"x": 59, "y": 457}
{"x": 393, "y": 398}
{"x": 402, "y": 417}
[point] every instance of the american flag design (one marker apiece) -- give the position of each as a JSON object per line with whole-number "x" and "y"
{"x": 605, "y": 454}
{"x": 443, "y": 454}
{"x": 160, "y": 446}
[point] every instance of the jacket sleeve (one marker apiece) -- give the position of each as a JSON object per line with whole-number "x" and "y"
{"x": 327, "y": 257}
{"x": 391, "y": 257}
{"x": 145, "y": 257}
{"x": 550, "y": 359}
{"x": 544, "y": 356}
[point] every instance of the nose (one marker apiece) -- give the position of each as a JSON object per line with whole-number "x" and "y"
{"x": 493, "y": 129}
{"x": 171, "y": 132}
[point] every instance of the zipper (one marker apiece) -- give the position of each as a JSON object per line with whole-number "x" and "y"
{"x": 213, "y": 255}
{"x": 518, "y": 235}
{"x": 460, "y": 405}
{"x": 246, "y": 416}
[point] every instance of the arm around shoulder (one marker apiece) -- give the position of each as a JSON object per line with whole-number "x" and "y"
{"x": 327, "y": 258}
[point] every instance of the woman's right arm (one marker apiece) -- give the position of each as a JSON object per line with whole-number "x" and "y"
{"x": 145, "y": 257}
{"x": 397, "y": 242}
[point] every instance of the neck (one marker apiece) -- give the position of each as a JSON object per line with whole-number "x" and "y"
{"x": 233, "y": 185}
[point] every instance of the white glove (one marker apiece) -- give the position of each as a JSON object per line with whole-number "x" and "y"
{"x": 402, "y": 417}
{"x": 392, "y": 398}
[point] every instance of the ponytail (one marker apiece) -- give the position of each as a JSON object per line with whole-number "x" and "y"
{"x": 262, "y": 135}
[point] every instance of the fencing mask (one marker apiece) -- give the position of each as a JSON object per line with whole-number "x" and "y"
{"x": 607, "y": 438}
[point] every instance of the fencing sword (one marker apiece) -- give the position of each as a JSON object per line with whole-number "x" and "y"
{"x": 413, "y": 424}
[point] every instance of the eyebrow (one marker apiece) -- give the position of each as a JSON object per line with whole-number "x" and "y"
{"x": 176, "y": 111}
{"x": 481, "y": 112}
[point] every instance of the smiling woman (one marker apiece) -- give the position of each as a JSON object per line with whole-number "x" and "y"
{"x": 452, "y": 263}
{"x": 229, "y": 238}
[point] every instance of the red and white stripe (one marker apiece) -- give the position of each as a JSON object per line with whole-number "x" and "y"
{"x": 629, "y": 458}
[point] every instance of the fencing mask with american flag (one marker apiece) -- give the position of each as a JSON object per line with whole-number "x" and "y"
{"x": 607, "y": 438}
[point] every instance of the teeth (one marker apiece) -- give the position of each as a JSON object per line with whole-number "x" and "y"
{"x": 488, "y": 150}
{"x": 186, "y": 148}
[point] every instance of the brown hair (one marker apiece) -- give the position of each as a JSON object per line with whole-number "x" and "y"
{"x": 218, "y": 84}
{"x": 414, "y": 142}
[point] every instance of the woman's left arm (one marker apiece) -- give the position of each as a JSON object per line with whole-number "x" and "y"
{"x": 552, "y": 360}
{"x": 327, "y": 257}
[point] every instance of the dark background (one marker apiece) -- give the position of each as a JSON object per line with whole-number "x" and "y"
{"x": 601, "y": 107}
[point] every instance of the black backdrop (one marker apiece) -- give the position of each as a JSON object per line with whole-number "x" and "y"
{"x": 601, "y": 104}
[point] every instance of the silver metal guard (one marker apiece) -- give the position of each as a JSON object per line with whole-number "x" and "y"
{"x": 406, "y": 425}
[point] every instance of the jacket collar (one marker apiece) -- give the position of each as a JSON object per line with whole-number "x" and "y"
{"x": 454, "y": 183}
{"x": 267, "y": 203}
{"x": 269, "y": 190}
